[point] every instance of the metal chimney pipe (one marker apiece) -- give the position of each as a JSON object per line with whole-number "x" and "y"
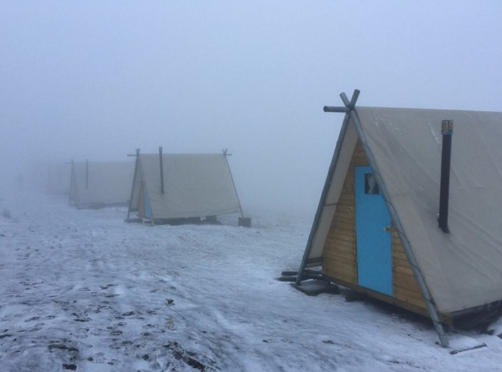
{"x": 161, "y": 172}
{"x": 444, "y": 193}
{"x": 87, "y": 174}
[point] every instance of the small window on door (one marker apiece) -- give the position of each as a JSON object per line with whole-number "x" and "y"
{"x": 370, "y": 185}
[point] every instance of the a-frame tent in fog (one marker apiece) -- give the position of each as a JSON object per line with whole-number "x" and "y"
{"x": 58, "y": 178}
{"x": 376, "y": 227}
{"x": 100, "y": 184}
{"x": 170, "y": 187}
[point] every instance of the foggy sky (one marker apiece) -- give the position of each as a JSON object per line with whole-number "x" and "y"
{"x": 97, "y": 79}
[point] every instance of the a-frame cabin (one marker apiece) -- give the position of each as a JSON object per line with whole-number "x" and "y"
{"x": 182, "y": 188}
{"x": 376, "y": 228}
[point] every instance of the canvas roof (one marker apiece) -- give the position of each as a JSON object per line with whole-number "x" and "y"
{"x": 106, "y": 183}
{"x": 195, "y": 185}
{"x": 462, "y": 269}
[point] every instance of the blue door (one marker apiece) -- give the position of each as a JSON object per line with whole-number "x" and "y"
{"x": 373, "y": 234}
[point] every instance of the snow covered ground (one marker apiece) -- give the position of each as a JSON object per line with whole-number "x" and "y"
{"x": 83, "y": 290}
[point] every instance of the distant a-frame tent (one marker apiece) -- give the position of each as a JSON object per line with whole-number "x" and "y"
{"x": 100, "y": 184}
{"x": 170, "y": 188}
{"x": 58, "y": 179}
{"x": 376, "y": 227}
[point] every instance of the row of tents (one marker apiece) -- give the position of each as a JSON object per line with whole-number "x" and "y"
{"x": 156, "y": 187}
{"x": 377, "y": 229}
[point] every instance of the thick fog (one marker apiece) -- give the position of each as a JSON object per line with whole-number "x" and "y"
{"x": 98, "y": 79}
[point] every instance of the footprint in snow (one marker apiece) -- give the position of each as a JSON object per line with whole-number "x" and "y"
{"x": 32, "y": 319}
{"x": 67, "y": 352}
{"x": 103, "y": 287}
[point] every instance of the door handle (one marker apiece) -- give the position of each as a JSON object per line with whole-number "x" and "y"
{"x": 386, "y": 228}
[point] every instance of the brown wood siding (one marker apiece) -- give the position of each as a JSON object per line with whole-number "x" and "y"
{"x": 405, "y": 286}
{"x": 339, "y": 253}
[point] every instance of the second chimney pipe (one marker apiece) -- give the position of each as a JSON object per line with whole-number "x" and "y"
{"x": 161, "y": 172}
{"x": 444, "y": 193}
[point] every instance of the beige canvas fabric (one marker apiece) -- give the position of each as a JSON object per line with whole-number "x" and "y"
{"x": 462, "y": 269}
{"x": 195, "y": 185}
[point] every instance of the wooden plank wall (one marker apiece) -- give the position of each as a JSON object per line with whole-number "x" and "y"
{"x": 339, "y": 253}
{"x": 404, "y": 285}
